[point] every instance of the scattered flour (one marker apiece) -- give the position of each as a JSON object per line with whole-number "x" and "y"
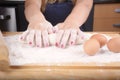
{"x": 21, "y": 54}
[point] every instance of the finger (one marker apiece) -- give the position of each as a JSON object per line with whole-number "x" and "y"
{"x": 30, "y": 37}
{"x": 81, "y": 34}
{"x": 24, "y": 35}
{"x": 49, "y": 25}
{"x": 57, "y": 27}
{"x": 73, "y": 37}
{"x": 80, "y": 37}
{"x": 38, "y": 38}
{"x": 45, "y": 38}
{"x": 58, "y": 37}
{"x": 65, "y": 38}
{"x": 50, "y": 29}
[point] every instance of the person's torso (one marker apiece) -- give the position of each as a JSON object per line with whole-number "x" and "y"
{"x": 58, "y": 11}
{"x": 59, "y": 1}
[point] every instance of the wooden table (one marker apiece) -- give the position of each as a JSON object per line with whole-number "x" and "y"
{"x": 81, "y": 71}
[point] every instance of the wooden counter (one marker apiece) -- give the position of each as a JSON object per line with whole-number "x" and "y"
{"x": 106, "y": 17}
{"x": 81, "y": 71}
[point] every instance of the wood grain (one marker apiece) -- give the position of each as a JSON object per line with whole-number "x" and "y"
{"x": 73, "y": 71}
{"x": 106, "y": 24}
{"x": 4, "y": 60}
{"x": 105, "y": 16}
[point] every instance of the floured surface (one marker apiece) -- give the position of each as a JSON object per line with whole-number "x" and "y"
{"x": 21, "y": 54}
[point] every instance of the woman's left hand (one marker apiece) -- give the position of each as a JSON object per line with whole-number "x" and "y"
{"x": 67, "y": 33}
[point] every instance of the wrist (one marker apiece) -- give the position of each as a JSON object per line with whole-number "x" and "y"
{"x": 73, "y": 19}
{"x": 37, "y": 18}
{"x": 73, "y": 22}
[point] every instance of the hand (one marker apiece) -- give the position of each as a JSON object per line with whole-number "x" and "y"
{"x": 37, "y": 34}
{"x": 67, "y": 34}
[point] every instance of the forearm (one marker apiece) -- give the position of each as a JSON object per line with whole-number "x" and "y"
{"x": 80, "y": 12}
{"x": 32, "y": 10}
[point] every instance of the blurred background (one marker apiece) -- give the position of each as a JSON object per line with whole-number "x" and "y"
{"x": 104, "y": 16}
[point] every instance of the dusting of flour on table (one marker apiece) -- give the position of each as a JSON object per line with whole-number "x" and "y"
{"x": 21, "y": 54}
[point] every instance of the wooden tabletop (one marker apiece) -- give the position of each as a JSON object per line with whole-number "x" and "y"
{"x": 108, "y": 33}
{"x": 81, "y": 71}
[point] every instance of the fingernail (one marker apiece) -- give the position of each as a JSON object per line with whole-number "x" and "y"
{"x": 54, "y": 31}
{"x": 72, "y": 42}
{"x": 38, "y": 46}
{"x": 48, "y": 32}
{"x": 21, "y": 38}
{"x": 56, "y": 44}
{"x": 30, "y": 43}
{"x": 62, "y": 46}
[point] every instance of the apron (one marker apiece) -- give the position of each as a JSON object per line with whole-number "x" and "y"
{"x": 57, "y": 12}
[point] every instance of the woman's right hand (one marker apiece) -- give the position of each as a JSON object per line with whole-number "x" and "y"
{"x": 37, "y": 33}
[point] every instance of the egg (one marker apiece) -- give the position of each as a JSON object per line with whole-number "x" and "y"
{"x": 91, "y": 47}
{"x": 101, "y": 38}
{"x": 114, "y": 44}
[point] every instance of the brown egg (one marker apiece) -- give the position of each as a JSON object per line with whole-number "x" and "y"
{"x": 101, "y": 38}
{"x": 114, "y": 44}
{"x": 91, "y": 46}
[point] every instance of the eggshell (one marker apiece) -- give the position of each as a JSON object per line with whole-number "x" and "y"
{"x": 101, "y": 38}
{"x": 114, "y": 44}
{"x": 91, "y": 46}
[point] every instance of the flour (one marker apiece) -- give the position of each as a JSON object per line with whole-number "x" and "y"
{"x": 21, "y": 54}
